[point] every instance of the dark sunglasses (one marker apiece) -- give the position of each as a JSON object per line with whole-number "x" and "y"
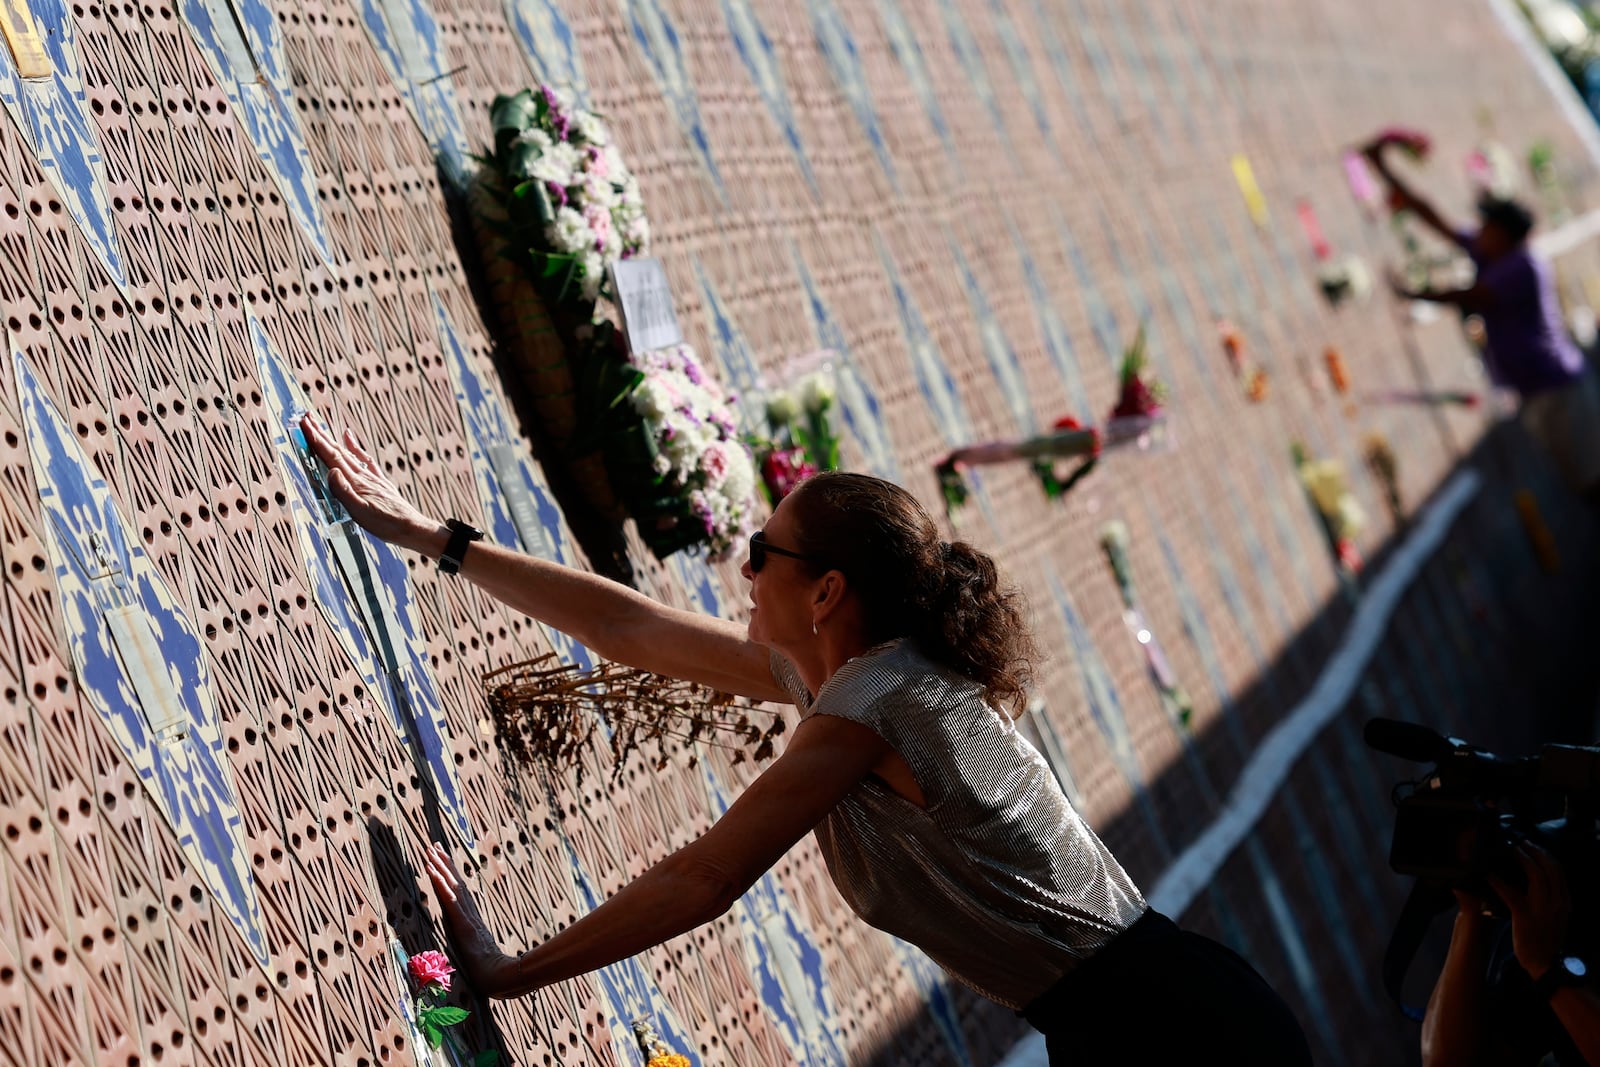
{"x": 760, "y": 547}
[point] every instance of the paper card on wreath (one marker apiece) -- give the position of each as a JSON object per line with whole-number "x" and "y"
{"x": 645, "y": 299}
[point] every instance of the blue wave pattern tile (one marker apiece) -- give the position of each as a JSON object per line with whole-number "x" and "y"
{"x": 933, "y": 986}
{"x": 657, "y": 39}
{"x": 406, "y": 34}
{"x": 549, "y": 45}
{"x": 1143, "y": 312}
{"x": 1048, "y": 37}
{"x": 1137, "y": 71}
{"x": 1319, "y": 871}
{"x": 927, "y": 363}
{"x": 1105, "y": 708}
{"x": 101, "y": 572}
{"x": 1101, "y": 319}
{"x": 838, "y": 48}
{"x": 859, "y": 407}
{"x": 1293, "y": 273}
{"x": 1057, "y": 340}
{"x": 54, "y": 118}
{"x": 731, "y": 351}
{"x": 785, "y": 966}
{"x": 372, "y": 611}
{"x": 907, "y": 51}
{"x": 1260, "y": 563}
{"x": 1086, "y": 29}
{"x": 766, "y": 73}
{"x": 243, "y": 45}
{"x": 495, "y": 452}
{"x": 1199, "y": 265}
{"x": 1244, "y": 297}
{"x": 1005, "y": 27}
{"x": 1293, "y": 941}
{"x": 997, "y": 347}
{"x": 1181, "y": 309}
{"x": 627, "y": 987}
{"x": 1284, "y": 528}
{"x": 971, "y": 62}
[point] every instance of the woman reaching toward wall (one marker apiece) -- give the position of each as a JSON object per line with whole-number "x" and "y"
{"x": 938, "y": 822}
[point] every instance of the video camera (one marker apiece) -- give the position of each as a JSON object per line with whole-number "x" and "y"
{"x": 1461, "y": 822}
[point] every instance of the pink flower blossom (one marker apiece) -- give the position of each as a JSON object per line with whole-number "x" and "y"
{"x": 599, "y": 220}
{"x": 431, "y": 969}
{"x": 715, "y": 464}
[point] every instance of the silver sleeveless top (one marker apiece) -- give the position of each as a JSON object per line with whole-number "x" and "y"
{"x": 997, "y": 878}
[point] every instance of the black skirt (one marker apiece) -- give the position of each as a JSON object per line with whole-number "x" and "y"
{"x": 1161, "y": 995}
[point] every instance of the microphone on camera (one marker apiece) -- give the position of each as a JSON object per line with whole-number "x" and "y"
{"x": 1408, "y": 740}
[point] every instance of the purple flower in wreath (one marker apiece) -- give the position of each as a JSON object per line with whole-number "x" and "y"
{"x": 558, "y": 193}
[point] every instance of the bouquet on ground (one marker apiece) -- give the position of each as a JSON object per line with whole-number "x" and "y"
{"x": 803, "y": 439}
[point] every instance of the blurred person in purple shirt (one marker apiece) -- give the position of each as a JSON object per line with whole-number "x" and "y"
{"x": 1528, "y": 349}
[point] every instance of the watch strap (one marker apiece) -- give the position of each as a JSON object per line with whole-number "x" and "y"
{"x": 455, "y": 549}
{"x": 1560, "y": 974}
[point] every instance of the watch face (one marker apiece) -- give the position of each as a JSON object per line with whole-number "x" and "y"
{"x": 1575, "y": 967}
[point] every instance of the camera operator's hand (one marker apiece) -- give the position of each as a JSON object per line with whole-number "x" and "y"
{"x": 1539, "y": 912}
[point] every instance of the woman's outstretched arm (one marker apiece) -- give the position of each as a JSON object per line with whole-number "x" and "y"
{"x": 611, "y": 619}
{"x": 826, "y": 758}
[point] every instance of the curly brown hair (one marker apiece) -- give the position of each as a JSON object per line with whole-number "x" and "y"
{"x": 947, "y": 597}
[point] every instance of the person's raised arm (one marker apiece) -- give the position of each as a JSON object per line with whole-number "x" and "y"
{"x": 1452, "y": 1029}
{"x": 619, "y": 623}
{"x": 1409, "y": 197}
{"x": 1474, "y": 298}
{"x": 826, "y": 758}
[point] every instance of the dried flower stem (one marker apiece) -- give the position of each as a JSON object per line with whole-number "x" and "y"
{"x": 548, "y": 712}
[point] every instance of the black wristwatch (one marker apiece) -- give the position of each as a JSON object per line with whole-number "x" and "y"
{"x": 1565, "y": 971}
{"x": 455, "y": 549}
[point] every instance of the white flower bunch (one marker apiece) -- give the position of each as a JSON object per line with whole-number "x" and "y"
{"x": 697, "y": 443}
{"x": 597, "y": 214}
{"x": 816, "y": 392}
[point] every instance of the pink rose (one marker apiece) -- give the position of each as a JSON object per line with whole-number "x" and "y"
{"x": 431, "y": 969}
